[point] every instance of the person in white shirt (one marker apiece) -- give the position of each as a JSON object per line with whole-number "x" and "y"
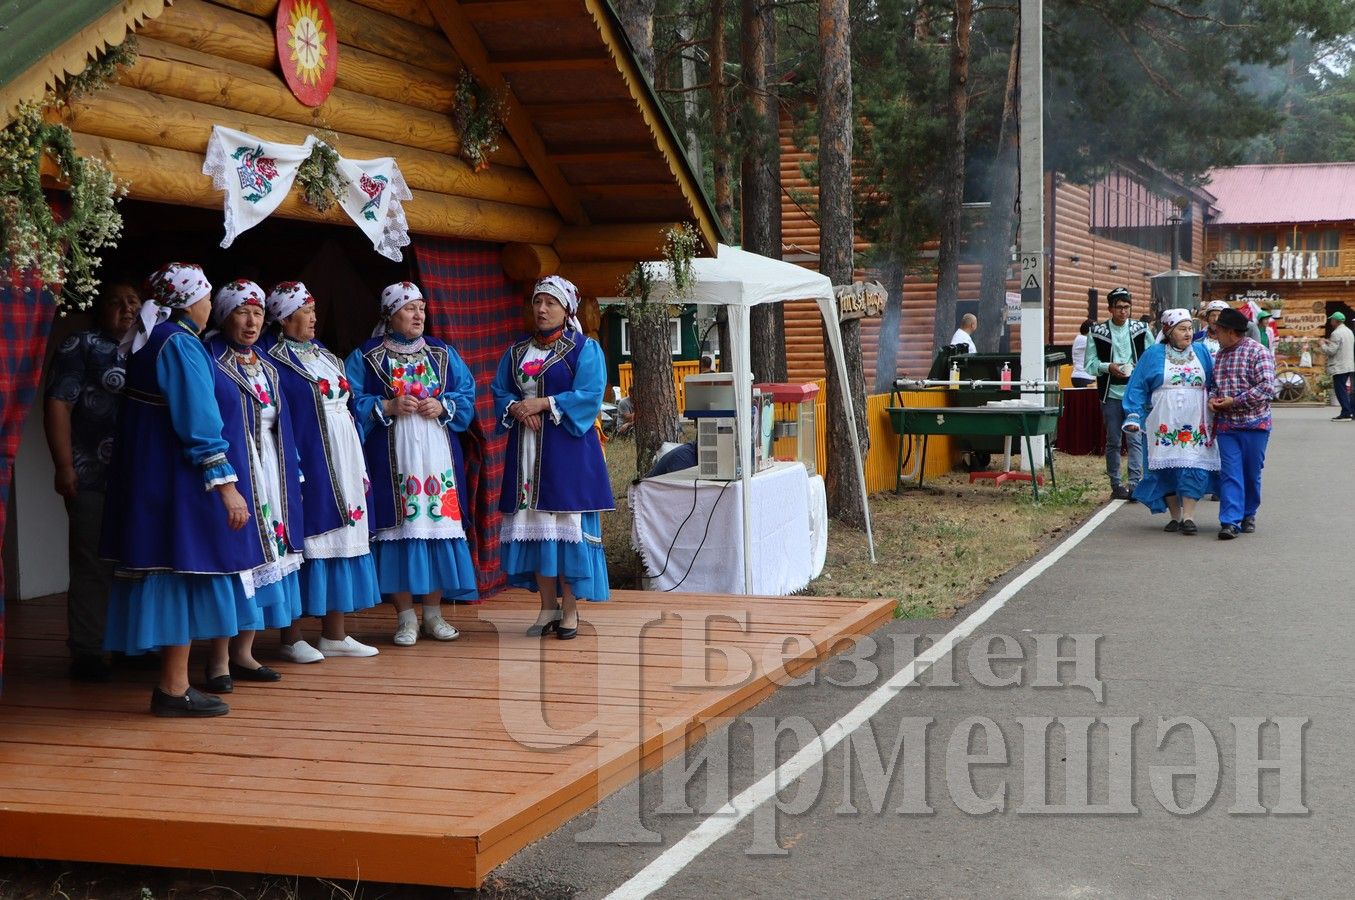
{"x": 1080, "y": 376}
{"x": 969, "y": 323}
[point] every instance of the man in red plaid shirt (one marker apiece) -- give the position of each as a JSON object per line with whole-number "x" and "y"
{"x": 1244, "y": 385}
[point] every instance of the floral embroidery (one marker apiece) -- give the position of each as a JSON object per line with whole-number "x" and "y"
{"x": 440, "y": 490}
{"x": 279, "y": 530}
{"x": 532, "y": 368}
{"x": 256, "y": 171}
{"x": 524, "y": 494}
{"x": 1184, "y": 436}
{"x": 372, "y": 186}
{"x": 1187, "y": 376}
{"x": 263, "y": 395}
{"x": 355, "y": 515}
{"x": 415, "y": 380}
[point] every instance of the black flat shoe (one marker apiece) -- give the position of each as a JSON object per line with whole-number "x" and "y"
{"x": 543, "y": 630}
{"x": 192, "y": 705}
{"x": 567, "y": 634}
{"x": 1227, "y": 532}
{"x": 263, "y": 673}
{"x": 1249, "y": 525}
{"x": 218, "y": 684}
{"x": 1172, "y": 527}
{"x": 1188, "y": 527}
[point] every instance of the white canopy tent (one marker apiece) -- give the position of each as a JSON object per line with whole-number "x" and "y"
{"x": 740, "y": 280}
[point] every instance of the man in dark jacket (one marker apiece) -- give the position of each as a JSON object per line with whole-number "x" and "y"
{"x": 1113, "y": 347}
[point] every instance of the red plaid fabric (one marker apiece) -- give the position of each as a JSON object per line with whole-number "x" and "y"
{"x": 474, "y": 306}
{"x": 25, "y": 321}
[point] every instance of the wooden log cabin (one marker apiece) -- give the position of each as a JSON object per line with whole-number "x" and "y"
{"x": 1268, "y": 212}
{"x": 1109, "y": 234}
{"x": 587, "y": 175}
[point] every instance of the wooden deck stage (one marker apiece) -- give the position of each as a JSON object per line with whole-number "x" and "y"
{"x": 445, "y": 758}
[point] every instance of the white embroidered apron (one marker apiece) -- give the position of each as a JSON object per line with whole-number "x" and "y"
{"x": 533, "y": 524}
{"x": 1180, "y": 428}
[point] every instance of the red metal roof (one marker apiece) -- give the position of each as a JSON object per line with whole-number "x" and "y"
{"x": 1265, "y": 195}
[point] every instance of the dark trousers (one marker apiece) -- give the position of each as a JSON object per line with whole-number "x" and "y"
{"x": 91, "y": 577}
{"x": 1242, "y": 456}
{"x": 1341, "y": 385}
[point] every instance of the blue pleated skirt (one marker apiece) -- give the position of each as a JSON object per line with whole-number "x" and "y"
{"x": 280, "y": 602}
{"x": 1157, "y": 484}
{"x": 338, "y": 585}
{"x": 172, "y": 610}
{"x": 424, "y": 566}
{"x": 582, "y": 565}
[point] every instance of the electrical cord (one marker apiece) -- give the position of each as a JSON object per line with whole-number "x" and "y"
{"x": 709, "y": 519}
{"x": 668, "y": 556}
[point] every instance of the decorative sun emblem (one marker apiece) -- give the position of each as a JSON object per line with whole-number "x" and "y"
{"x": 307, "y": 42}
{"x": 307, "y": 48}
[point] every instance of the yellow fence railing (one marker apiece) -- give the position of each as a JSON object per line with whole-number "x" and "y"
{"x": 625, "y": 376}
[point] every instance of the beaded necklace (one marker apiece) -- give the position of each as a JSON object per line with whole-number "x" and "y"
{"x": 546, "y": 340}
{"x": 403, "y": 346}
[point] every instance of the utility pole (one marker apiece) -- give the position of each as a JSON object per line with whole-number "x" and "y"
{"x": 1031, "y": 243}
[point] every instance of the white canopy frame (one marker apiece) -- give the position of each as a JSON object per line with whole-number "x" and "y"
{"x": 740, "y": 280}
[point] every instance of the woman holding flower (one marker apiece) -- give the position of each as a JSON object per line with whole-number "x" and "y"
{"x": 547, "y": 396}
{"x": 1168, "y": 398}
{"x": 338, "y": 575}
{"x": 249, "y": 394}
{"x": 412, "y": 395}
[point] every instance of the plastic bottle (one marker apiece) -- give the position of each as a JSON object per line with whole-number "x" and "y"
{"x": 954, "y": 376}
{"x": 1006, "y": 376}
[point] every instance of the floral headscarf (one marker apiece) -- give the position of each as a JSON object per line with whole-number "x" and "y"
{"x": 393, "y": 299}
{"x": 1170, "y": 319}
{"x": 240, "y": 292}
{"x": 563, "y": 290}
{"x": 174, "y": 286}
{"x": 285, "y": 299}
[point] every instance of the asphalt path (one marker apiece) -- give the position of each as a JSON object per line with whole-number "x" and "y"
{"x": 1194, "y": 628}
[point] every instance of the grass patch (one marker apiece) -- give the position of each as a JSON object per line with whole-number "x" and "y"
{"x": 937, "y": 547}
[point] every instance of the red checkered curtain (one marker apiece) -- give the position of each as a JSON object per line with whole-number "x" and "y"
{"x": 26, "y": 311}
{"x": 474, "y": 306}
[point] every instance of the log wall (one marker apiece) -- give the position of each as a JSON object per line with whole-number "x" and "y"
{"x": 204, "y": 63}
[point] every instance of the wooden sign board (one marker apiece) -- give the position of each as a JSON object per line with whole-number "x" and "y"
{"x": 1303, "y": 321}
{"x": 860, "y": 299}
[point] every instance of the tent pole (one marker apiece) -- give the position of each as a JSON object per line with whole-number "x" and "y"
{"x": 740, "y": 346}
{"x": 828, "y": 307}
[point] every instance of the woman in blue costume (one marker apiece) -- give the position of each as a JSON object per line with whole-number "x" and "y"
{"x": 253, "y": 406}
{"x": 175, "y": 518}
{"x": 547, "y": 396}
{"x": 1168, "y": 398}
{"x": 412, "y": 394}
{"x": 338, "y": 576}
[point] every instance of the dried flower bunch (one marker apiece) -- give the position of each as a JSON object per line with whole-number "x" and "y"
{"x": 65, "y": 253}
{"x": 322, "y": 184}
{"x": 478, "y": 118}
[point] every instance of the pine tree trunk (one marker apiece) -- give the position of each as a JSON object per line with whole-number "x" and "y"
{"x": 835, "y": 254}
{"x": 952, "y": 179}
{"x": 656, "y": 412}
{"x": 719, "y": 118}
{"x": 1000, "y": 227}
{"x": 887, "y": 356}
{"x": 761, "y": 182}
{"x": 691, "y": 110}
{"x": 637, "y": 18}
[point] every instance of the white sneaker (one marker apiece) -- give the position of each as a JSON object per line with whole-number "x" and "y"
{"x": 439, "y": 629}
{"x": 302, "y": 652}
{"x": 407, "y": 634}
{"x": 346, "y": 647}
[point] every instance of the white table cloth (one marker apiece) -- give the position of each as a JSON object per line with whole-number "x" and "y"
{"x": 702, "y": 523}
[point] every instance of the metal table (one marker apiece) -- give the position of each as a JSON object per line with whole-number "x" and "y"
{"x": 1022, "y": 422}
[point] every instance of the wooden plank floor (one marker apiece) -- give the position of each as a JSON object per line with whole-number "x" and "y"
{"x": 428, "y": 765}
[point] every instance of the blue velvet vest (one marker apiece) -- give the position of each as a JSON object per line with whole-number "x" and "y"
{"x": 158, "y": 516}
{"x": 571, "y": 472}
{"x": 379, "y": 446}
{"x": 240, "y": 411}
{"x": 320, "y": 495}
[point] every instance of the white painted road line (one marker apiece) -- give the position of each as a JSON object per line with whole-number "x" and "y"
{"x": 677, "y": 857}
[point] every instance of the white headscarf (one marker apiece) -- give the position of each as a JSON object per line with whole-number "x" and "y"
{"x": 564, "y": 291}
{"x": 233, "y": 296}
{"x": 1218, "y": 305}
{"x": 1170, "y": 319}
{"x": 393, "y": 299}
{"x": 174, "y": 286}
{"x": 285, "y": 299}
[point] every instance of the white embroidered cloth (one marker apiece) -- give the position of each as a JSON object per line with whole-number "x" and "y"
{"x": 373, "y": 201}
{"x": 255, "y": 174}
{"x": 1180, "y": 428}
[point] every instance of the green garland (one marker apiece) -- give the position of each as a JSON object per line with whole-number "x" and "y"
{"x": 478, "y": 118}
{"x": 63, "y": 253}
{"x": 322, "y": 184}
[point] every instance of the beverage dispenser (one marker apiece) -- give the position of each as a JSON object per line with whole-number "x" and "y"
{"x": 796, "y": 432}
